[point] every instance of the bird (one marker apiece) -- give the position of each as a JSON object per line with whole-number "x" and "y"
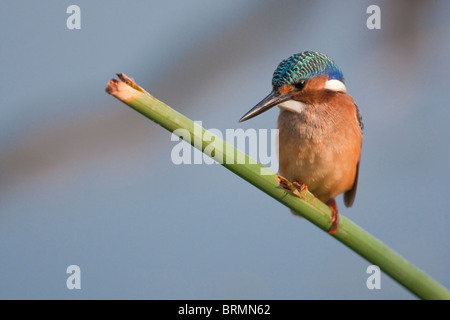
{"x": 320, "y": 128}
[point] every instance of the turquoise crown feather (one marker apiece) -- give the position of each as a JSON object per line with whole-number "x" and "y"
{"x": 305, "y": 65}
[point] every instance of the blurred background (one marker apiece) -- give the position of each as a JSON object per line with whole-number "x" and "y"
{"x": 85, "y": 180}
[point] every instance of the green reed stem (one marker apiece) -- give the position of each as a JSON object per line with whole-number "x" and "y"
{"x": 300, "y": 201}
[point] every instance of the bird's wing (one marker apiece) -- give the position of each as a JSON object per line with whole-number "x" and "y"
{"x": 349, "y": 196}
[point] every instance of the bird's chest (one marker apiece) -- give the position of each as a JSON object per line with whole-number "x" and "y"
{"x": 312, "y": 150}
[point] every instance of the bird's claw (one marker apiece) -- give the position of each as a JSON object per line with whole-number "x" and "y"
{"x": 300, "y": 186}
{"x": 293, "y": 187}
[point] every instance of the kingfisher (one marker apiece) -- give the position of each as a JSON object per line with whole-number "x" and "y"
{"x": 320, "y": 128}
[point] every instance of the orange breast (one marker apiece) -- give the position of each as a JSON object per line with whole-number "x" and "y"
{"x": 321, "y": 146}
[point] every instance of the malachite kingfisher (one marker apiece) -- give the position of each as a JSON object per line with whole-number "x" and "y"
{"x": 320, "y": 128}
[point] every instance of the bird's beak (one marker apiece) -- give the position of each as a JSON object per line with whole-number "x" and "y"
{"x": 268, "y": 102}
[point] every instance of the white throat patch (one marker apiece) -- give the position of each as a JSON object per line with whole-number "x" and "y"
{"x": 335, "y": 85}
{"x": 292, "y": 105}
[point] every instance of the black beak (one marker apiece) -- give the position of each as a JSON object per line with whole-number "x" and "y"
{"x": 268, "y": 102}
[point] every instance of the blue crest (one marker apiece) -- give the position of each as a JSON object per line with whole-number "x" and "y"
{"x": 305, "y": 65}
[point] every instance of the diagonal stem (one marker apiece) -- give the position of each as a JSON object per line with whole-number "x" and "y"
{"x": 300, "y": 201}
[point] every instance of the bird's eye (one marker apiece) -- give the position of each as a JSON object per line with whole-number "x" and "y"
{"x": 300, "y": 84}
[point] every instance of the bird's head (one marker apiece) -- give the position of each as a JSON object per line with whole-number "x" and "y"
{"x": 296, "y": 79}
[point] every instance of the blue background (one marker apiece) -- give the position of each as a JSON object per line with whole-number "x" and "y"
{"x": 85, "y": 180}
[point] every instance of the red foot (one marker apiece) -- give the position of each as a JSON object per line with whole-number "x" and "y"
{"x": 300, "y": 186}
{"x": 334, "y": 216}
